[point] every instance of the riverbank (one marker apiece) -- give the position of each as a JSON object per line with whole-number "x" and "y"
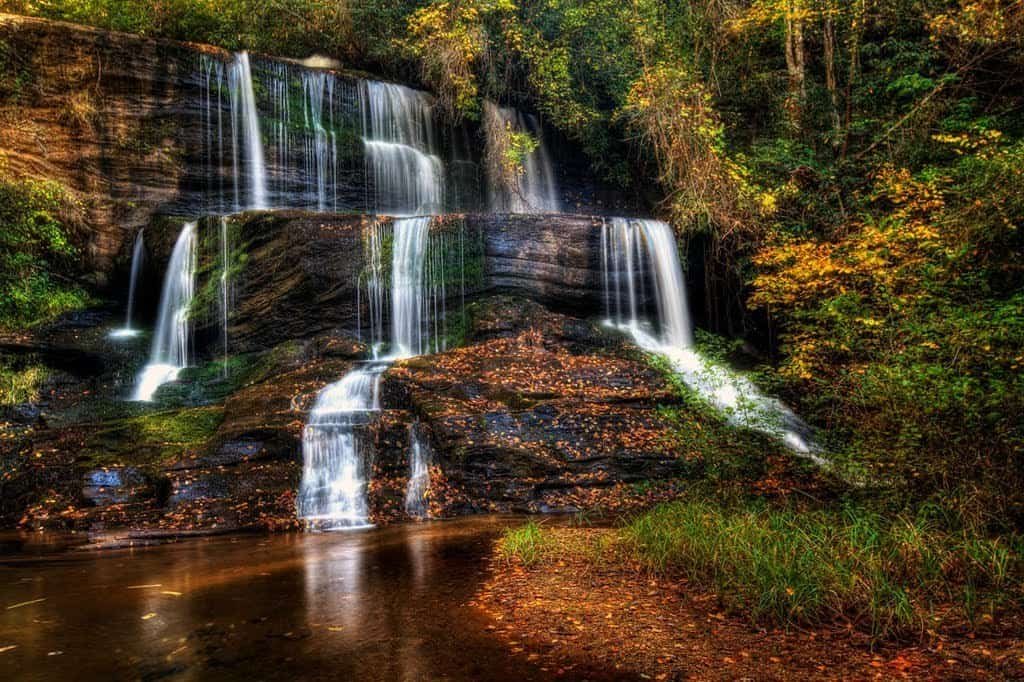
{"x": 564, "y": 596}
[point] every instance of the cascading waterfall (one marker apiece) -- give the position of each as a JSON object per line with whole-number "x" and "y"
{"x": 419, "y": 476}
{"x": 321, "y": 149}
{"x": 409, "y": 247}
{"x": 534, "y": 191}
{"x": 138, "y": 255}
{"x": 627, "y": 245}
{"x": 332, "y": 494}
{"x": 245, "y": 122}
{"x": 169, "y": 353}
{"x": 398, "y": 136}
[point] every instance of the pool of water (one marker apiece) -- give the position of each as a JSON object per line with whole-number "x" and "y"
{"x": 383, "y": 604}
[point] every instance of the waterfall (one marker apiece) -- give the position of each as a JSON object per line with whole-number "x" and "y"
{"x": 534, "y": 191}
{"x": 419, "y": 476}
{"x": 225, "y": 287}
{"x": 398, "y": 136}
{"x": 306, "y": 114}
{"x": 213, "y": 81}
{"x": 333, "y": 489}
{"x": 169, "y": 353}
{"x": 332, "y": 494}
{"x": 138, "y": 254}
{"x": 321, "y": 150}
{"x": 245, "y": 118}
{"x": 278, "y": 84}
{"x": 408, "y": 249}
{"x": 627, "y": 247}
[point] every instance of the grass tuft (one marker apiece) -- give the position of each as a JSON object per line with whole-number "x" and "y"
{"x": 527, "y": 544}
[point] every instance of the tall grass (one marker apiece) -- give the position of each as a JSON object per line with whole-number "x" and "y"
{"x": 881, "y": 575}
{"x": 20, "y": 385}
{"x": 528, "y": 544}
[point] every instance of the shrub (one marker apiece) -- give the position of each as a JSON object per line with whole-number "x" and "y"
{"x": 35, "y": 249}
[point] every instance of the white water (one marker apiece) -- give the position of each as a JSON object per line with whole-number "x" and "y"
{"x": 332, "y": 494}
{"x": 138, "y": 255}
{"x": 535, "y": 191}
{"x": 213, "y": 82}
{"x": 169, "y": 353}
{"x": 245, "y": 120}
{"x": 627, "y": 247}
{"x": 409, "y": 248}
{"x": 419, "y": 477}
{"x": 225, "y": 287}
{"x": 321, "y": 150}
{"x": 398, "y": 136}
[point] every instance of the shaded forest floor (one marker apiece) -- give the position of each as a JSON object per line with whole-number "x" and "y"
{"x": 577, "y": 611}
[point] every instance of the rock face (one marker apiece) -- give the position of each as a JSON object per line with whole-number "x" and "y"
{"x": 105, "y": 114}
{"x": 136, "y": 128}
{"x": 538, "y": 410}
{"x": 555, "y": 259}
{"x": 532, "y": 409}
{"x": 298, "y": 274}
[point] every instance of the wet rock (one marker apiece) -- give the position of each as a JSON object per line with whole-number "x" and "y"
{"x": 558, "y": 406}
{"x": 115, "y": 485}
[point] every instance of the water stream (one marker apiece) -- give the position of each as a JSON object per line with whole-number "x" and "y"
{"x": 138, "y": 255}
{"x": 246, "y": 124}
{"x": 406, "y": 174}
{"x": 638, "y": 255}
{"x": 535, "y": 189}
{"x": 332, "y": 494}
{"x": 419, "y": 476}
{"x": 172, "y": 339}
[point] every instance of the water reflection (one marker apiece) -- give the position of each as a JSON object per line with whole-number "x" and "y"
{"x": 383, "y": 604}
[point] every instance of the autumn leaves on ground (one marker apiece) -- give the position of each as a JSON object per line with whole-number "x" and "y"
{"x": 698, "y": 590}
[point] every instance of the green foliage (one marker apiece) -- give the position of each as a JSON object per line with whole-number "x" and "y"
{"x": 35, "y": 254}
{"x": 815, "y": 567}
{"x": 527, "y": 544}
{"x": 20, "y": 383}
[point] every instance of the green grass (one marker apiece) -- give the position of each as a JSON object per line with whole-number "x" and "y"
{"x": 20, "y": 385}
{"x": 887, "y": 576}
{"x": 880, "y": 574}
{"x": 527, "y": 544}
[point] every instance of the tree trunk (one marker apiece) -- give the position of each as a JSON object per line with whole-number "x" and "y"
{"x": 795, "y": 65}
{"x": 830, "y": 75}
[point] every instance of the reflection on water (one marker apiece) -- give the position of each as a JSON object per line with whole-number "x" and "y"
{"x": 387, "y": 604}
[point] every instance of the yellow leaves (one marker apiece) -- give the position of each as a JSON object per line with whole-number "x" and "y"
{"x": 985, "y": 22}
{"x": 448, "y": 39}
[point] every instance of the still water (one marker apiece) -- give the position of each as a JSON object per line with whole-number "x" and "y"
{"x": 386, "y": 604}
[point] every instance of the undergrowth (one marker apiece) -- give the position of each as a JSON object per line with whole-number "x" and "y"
{"x": 889, "y": 576}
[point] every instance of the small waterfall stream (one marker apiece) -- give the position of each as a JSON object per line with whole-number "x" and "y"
{"x": 225, "y": 287}
{"x": 321, "y": 149}
{"x": 535, "y": 191}
{"x": 419, "y": 476}
{"x": 332, "y": 494}
{"x": 246, "y": 121}
{"x": 398, "y": 136}
{"x": 627, "y": 247}
{"x": 138, "y": 255}
{"x": 169, "y": 353}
